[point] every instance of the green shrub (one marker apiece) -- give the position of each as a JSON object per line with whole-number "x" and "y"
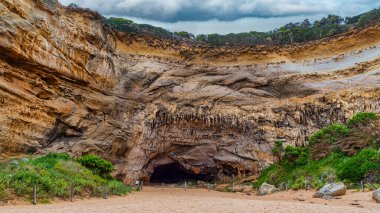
{"x": 297, "y": 166}
{"x": 96, "y": 164}
{"x": 273, "y": 174}
{"x": 118, "y": 188}
{"x": 335, "y": 167}
{"x": 53, "y": 174}
{"x": 299, "y": 183}
{"x": 330, "y": 133}
{"x": 50, "y": 160}
{"x": 278, "y": 149}
{"x": 361, "y": 118}
{"x": 51, "y": 2}
{"x": 354, "y": 169}
{"x": 296, "y": 155}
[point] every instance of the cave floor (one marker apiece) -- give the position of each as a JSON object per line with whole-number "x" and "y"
{"x": 156, "y": 199}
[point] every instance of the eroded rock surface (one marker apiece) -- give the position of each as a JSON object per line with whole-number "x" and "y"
{"x": 68, "y": 83}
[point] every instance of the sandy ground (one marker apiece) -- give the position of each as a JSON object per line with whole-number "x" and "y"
{"x": 200, "y": 200}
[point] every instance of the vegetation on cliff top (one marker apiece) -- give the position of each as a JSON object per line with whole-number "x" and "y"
{"x": 303, "y": 31}
{"x": 290, "y": 33}
{"x": 296, "y": 166}
{"x": 54, "y": 174}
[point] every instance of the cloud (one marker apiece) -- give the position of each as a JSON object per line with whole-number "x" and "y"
{"x": 223, "y": 10}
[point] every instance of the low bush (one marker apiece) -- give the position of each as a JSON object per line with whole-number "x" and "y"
{"x": 329, "y": 133}
{"x": 297, "y": 169}
{"x": 278, "y": 149}
{"x": 356, "y": 168}
{"x": 96, "y": 164}
{"x": 296, "y": 155}
{"x": 361, "y": 118}
{"x": 54, "y": 175}
{"x": 335, "y": 167}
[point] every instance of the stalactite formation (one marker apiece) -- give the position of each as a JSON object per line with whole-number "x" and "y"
{"x": 70, "y": 84}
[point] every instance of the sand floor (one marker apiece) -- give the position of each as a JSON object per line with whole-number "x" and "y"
{"x": 162, "y": 200}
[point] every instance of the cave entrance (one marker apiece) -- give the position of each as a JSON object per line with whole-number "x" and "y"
{"x": 175, "y": 173}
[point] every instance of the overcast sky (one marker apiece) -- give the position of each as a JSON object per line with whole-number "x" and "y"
{"x": 224, "y": 16}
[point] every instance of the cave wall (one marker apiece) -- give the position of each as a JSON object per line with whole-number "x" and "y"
{"x": 68, "y": 83}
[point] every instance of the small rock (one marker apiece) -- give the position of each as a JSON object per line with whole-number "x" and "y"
{"x": 282, "y": 186}
{"x": 331, "y": 190}
{"x": 242, "y": 188}
{"x": 221, "y": 187}
{"x": 24, "y": 160}
{"x": 266, "y": 189}
{"x": 376, "y": 195}
{"x": 14, "y": 163}
{"x": 199, "y": 182}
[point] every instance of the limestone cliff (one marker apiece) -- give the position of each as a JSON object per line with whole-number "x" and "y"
{"x": 68, "y": 83}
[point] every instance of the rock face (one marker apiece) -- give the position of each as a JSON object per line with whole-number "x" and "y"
{"x": 69, "y": 83}
{"x": 376, "y": 195}
{"x": 266, "y": 189}
{"x": 331, "y": 190}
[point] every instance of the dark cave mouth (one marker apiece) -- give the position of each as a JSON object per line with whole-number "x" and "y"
{"x": 175, "y": 173}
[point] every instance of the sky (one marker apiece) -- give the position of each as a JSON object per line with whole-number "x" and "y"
{"x": 224, "y": 16}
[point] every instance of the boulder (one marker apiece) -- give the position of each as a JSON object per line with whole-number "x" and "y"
{"x": 266, "y": 189}
{"x": 376, "y": 195}
{"x": 331, "y": 190}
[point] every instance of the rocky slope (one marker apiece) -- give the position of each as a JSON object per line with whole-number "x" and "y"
{"x": 68, "y": 83}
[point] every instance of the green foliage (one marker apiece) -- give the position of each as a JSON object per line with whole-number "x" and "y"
{"x": 329, "y": 133}
{"x": 295, "y": 32}
{"x": 332, "y": 132}
{"x": 50, "y": 160}
{"x": 336, "y": 166}
{"x": 296, "y": 167}
{"x": 53, "y": 174}
{"x": 184, "y": 34}
{"x": 365, "y": 19}
{"x": 272, "y": 175}
{"x": 296, "y": 155}
{"x": 51, "y": 2}
{"x": 73, "y": 5}
{"x": 126, "y": 25}
{"x": 278, "y": 149}
{"x": 290, "y": 33}
{"x": 117, "y": 188}
{"x": 357, "y": 167}
{"x": 235, "y": 39}
{"x": 361, "y": 118}
{"x": 96, "y": 164}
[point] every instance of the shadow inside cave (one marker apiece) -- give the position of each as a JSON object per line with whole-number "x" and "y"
{"x": 175, "y": 173}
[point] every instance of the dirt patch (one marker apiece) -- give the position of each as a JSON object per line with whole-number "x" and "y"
{"x": 200, "y": 200}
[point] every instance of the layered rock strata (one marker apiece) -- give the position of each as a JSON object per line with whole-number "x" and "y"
{"x": 69, "y": 83}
